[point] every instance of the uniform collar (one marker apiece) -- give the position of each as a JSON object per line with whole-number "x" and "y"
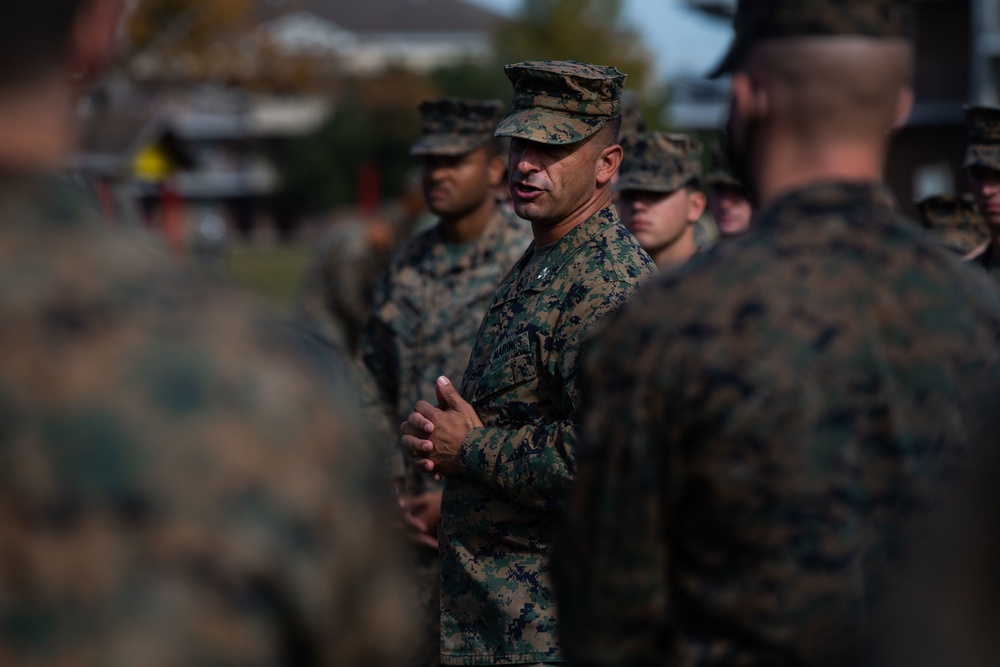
{"x": 478, "y": 251}
{"x": 561, "y": 252}
{"x": 861, "y": 204}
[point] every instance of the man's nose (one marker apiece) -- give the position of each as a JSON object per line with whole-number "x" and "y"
{"x": 526, "y": 161}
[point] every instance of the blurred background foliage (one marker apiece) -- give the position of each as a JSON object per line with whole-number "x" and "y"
{"x": 375, "y": 117}
{"x": 176, "y": 46}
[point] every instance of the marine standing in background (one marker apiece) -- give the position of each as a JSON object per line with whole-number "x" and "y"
{"x": 982, "y": 160}
{"x": 430, "y": 301}
{"x": 728, "y": 199}
{"x": 660, "y": 197}
{"x": 955, "y": 223}
{"x": 336, "y": 291}
{"x": 176, "y": 486}
{"x": 761, "y": 426}
{"x": 509, "y": 453}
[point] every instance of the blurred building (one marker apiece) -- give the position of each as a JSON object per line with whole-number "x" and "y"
{"x": 195, "y": 119}
{"x": 958, "y": 63}
{"x": 374, "y": 35}
{"x": 207, "y": 149}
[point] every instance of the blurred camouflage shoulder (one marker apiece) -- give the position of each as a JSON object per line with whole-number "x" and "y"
{"x": 177, "y": 485}
{"x": 339, "y": 282}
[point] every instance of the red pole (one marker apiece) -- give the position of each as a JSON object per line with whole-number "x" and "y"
{"x": 368, "y": 187}
{"x": 173, "y": 220}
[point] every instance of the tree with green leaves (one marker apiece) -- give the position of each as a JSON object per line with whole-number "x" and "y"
{"x": 593, "y": 31}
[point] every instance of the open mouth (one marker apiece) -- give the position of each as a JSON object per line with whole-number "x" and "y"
{"x": 525, "y": 191}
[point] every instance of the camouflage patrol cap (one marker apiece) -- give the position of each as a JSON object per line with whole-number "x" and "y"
{"x": 719, "y": 171}
{"x": 561, "y": 102}
{"x": 954, "y": 222}
{"x": 453, "y": 126}
{"x": 984, "y": 138}
{"x": 660, "y": 162}
{"x": 757, "y": 21}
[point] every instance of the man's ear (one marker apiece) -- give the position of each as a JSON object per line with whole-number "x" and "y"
{"x": 696, "y": 205}
{"x": 904, "y": 105}
{"x": 495, "y": 170}
{"x": 95, "y": 37}
{"x": 607, "y": 163}
{"x": 747, "y": 98}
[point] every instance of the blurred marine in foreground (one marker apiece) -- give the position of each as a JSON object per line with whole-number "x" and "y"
{"x": 176, "y": 488}
{"x": 760, "y": 428}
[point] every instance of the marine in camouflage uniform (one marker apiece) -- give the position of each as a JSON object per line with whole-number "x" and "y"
{"x": 982, "y": 160}
{"x": 335, "y": 295}
{"x": 728, "y": 199}
{"x": 430, "y": 301}
{"x": 510, "y": 455}
{"x": 955, "y": 223}
{"x": 760, "y": 427}
{"x": 177, "y": 487}
{"x": 660, "y": 195}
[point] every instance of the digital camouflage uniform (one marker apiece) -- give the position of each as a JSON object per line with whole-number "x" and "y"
{"x": 954, "y": 222}
{"x": 427, "y": 308}
{"x": 499, "y": 512}
{"x": 429, "y": 302}
{"x": 175, "y": 487}
{"x": 759, "y": 428}
{"x": 984, "y": 151}
{"x": 756, "y": 428}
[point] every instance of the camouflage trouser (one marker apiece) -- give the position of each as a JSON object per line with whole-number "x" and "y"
{"x": 427, "y": 592}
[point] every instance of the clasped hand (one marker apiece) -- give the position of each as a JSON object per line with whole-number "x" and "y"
{"x": 433, "y": 436}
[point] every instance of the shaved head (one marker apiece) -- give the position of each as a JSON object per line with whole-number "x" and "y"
{"x": 806, "y": 109}
{"x": 845, "y": 88}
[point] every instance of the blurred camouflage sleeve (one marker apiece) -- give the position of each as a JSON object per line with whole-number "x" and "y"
{"x": 378, "y": 368}
{"x": 377, "y": 351}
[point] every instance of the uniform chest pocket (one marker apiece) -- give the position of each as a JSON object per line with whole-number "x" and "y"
{"x": 512, "y": 365}
{"x": 401, "y": 317}
{"x": 467, "y": 326}
{"x": 468, "y": 315}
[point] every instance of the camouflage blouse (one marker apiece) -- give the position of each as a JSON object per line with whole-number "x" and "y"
{"x": 425, "y": 313}
{"x": 758, "y": 430}
{"x": 177, "y": 486}
{"x": 497, "y": 516}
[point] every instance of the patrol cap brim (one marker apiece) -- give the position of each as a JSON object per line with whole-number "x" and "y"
{"x": 723, "y": 181}
{"x": 982, "y": 156}
{"x": 446, "y": 145}
{"x": 548, "y": 127}
{"x": 647, "y": 183}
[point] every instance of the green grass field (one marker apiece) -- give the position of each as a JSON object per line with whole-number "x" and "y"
{"x": 273, "y": 272}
